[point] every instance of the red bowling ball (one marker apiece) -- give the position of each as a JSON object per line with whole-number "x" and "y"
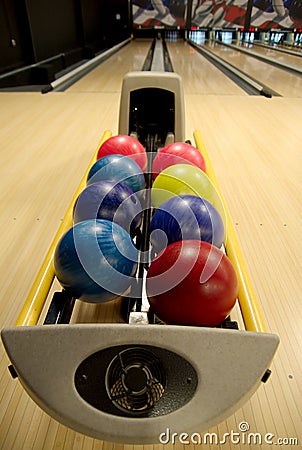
{"x": 177, "y": 153}
{"x": 192, "y": 283}
{"x": 126, "y": 146}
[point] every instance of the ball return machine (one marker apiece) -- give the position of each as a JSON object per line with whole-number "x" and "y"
{"x": 128, "y": 382}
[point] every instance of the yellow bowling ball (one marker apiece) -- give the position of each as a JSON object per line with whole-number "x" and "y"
{"x": 185, "y": 179}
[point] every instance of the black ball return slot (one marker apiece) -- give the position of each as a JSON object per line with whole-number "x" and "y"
{"x": 152, "y": 112}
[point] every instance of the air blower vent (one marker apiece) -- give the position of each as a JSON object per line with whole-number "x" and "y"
{"x": 135, "y": 380}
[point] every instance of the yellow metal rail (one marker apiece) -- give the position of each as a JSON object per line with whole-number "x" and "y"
{"x": 249, "y": 305}
{"x": 37, "y": 296}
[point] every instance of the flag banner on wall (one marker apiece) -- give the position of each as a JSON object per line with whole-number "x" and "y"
{"x": 219, "y": 14}
{"x": 159, "y": 13}
{"x": 267, "y": 14}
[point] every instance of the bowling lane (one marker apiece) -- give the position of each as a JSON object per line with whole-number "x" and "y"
{"x": 285, "y": 83}
{"x": 198, "y": 74}
{"x": 271, "y": 52}
{"x": 107, "y": 77}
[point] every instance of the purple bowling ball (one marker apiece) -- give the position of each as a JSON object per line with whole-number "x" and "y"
{"x": 110, "y": 201}
{"x": 185, "y": 217}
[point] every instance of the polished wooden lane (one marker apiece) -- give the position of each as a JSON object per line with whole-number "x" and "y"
{"x": 271, "y": 52}
{"x": 108, "y": 75}
{"x": 254, "y": 145}
{"x": 200, "y": 77}
{"x": 285, "y": 83}
{"x": 40, "y": 151}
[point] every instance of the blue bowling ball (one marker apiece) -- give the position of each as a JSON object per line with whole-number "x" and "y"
{"x": 95, "y": 261}
{"x": 111, "y": 201}
{"x": 118, "y": 168}
{"x": 185, "y": 217}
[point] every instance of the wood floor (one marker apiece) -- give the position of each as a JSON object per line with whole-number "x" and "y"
{"x": 255, "y": 147}
{"x": 283, "y": 82}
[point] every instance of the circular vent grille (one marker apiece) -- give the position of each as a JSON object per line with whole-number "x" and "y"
{"x": 135, "y": 380}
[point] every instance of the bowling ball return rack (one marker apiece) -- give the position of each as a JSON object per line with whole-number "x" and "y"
{"x": 118, "y": 381}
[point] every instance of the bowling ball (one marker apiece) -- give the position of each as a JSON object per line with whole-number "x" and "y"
{"x": 126, "y": 146}
{"x": 111, "y": 201}
{"x": 95, "y": 261}
{"x": 185, "y": 179}
{"x": 177, "y": 153}
{"x": 118, "y": 168}
{"x": 185, "y": 217}
{"x": 191, "y": 283}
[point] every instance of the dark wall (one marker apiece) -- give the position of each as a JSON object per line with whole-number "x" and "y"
{"x": 92, "y": 12}
{"x": 35, "y": 30}
{"x": 116, "y": 21}
{"x": 105, "y": 22}
{"x": 15, "y": 40}
{"x": 53, "y": 26}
